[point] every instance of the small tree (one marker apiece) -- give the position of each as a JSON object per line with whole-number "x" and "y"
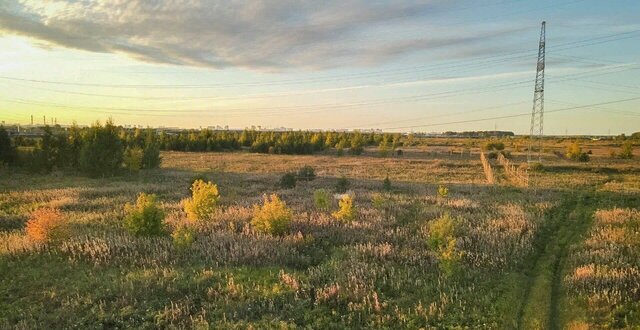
{"x": 340, "y": 147}
{"x": 203, "y": 201}
{"x": 378, "y": 201}
{"x": 145, "y": 218}
{"x": 342, "y": 185}
{"x": 288, "y": 181}
{"x": 47, "y": 225}
{"x": 441, "y": 230}
{"x": 132, "y": 159}
{"x": 443, "y": 191}
{"x": 386, "y": 184}
{"x": 7, "y": 150}
{"x": 626, "y": 151}
{"x": 346, "y": 212}
{"x": 574, "y": 152}
{"x": 442, "y": 239}
{"x": 273, "y": 217}
{"x": 306, "y": 173}
{"x": 151, "y": 155}
{"x": 321, "y": 199}
{"x": 102, "y": 150}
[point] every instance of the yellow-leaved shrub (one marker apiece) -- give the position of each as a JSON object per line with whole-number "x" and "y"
{"x": 273, "y": 217}
{"x": 203, "y": 201}
{"x": 347, "y": 211}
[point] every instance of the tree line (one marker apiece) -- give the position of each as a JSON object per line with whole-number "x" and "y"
{"x": 105, "y": 150}
{"x": 99, "y": 150}
{"x": 295, "y": 142}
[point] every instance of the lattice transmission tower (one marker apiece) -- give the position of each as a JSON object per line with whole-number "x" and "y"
{"x": 537, "y": 114}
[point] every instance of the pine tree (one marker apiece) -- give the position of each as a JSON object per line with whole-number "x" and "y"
{"x": 102, "y": 150}
{"x": 7, "y": 150}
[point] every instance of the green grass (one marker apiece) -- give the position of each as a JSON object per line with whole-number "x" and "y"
{"x": 376, "y": 272}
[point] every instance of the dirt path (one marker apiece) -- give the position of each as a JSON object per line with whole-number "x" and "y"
{"x": 565, "y": 224}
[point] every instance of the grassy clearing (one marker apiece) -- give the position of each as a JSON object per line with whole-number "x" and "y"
{"x": 501, "y": 261}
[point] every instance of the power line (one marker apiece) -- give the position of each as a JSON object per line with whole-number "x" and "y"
{"x": 321, "y": 107}
{"x": 515, "y": 115}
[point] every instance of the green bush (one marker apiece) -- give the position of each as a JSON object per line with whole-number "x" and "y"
{"x": 203, "y": 201}
{"x": 574, "y": 152}
{"x": 346, "y": 212}
{"x": 133, "y": 159}
{"x": 183, "y": 237}
{"x": 441, "y": 230}
{"x": 443, "y": 191}
{"x": 306, "y": 173}
{"x": 321, "y": 199}
{"x": 288, "y": 181}
{"x": 442, "y": 239}
{"x": 536, "y": 167}
{"x": 378, "y": 201}
{"x": 386, "y": 184}
{"x": 626, "y": 151}
{"x": 145, "y": 218}
{"x": 273, "y": 217}
{"x": 342, "y": 185}
{"x": 493, "y": 146}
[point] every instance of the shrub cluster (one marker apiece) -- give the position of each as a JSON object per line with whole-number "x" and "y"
{"x": 574, "y": 152}
{"x": 273, "y": 217}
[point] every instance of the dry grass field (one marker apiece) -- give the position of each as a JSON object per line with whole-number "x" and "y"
{"x": 562, "y": 253}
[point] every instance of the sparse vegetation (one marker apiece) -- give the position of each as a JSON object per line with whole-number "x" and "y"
{"x": 183, "y": 237}
{"x": 497, "y": 257}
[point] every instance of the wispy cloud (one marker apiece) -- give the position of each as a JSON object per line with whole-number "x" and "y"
{"x": 259, "y": 34}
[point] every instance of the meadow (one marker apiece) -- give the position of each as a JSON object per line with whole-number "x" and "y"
{"x": 440, "y": 248}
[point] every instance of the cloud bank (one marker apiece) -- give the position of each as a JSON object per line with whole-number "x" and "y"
{"x": 257, "y": 34}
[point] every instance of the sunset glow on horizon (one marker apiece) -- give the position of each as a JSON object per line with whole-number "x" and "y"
{"x": 396, "y": 66}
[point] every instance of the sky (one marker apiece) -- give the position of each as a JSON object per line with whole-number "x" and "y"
{"x": 401, "y": 66}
